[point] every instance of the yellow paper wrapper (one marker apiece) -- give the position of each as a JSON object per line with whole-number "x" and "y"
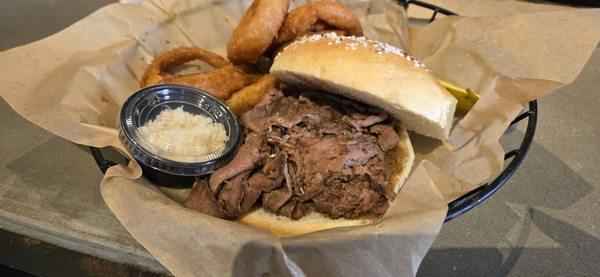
{"x": 74, "y": 83}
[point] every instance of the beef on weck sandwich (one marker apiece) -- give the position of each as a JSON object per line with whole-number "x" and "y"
{"x": 332, "y": 151}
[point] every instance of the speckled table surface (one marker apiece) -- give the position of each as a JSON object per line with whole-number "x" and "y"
{"x": 546, "y": 219}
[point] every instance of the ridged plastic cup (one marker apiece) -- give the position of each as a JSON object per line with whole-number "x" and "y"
{"x": 145, "y": 104}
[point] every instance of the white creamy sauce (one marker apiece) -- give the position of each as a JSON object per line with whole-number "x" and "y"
{"x": 181, "y": 136}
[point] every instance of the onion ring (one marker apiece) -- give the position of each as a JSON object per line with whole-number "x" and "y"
{"x": 245, "y": 99}
{"x": 256, "y": 30}
{"x": 156, "y": 71}
{"x": 318, "y": 16}
{"x": 221, "y": 82}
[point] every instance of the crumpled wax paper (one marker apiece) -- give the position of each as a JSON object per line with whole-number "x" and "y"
{"x": 74, "y": 82}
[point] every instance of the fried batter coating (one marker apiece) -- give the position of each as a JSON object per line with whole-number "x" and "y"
{"x": 318, "y": 16}
{"x": 256, "y": 30}
{"x": 221, "y": 82}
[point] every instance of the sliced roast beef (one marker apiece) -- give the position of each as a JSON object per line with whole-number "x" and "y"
{"x": 275, "y": 199}
{"x": 286, "y": 113}
{"x": 271, "y": 175}
{"x": 295, "y": 209}
{"x": 348, "y": 199}
{"x": 269, "y": 97}
{"x": 201, "y": 199}
{"x": 251, "y": 195}
{"x": 387, "y": 138}
{"x": 288, "y": 209}
{"x": 250, "y": 155}
{"x": 310, "y": 186}
{"x": 255, "y": 119}
{"x": 359, "y": 121}
{"x": 299, "y": 156}
{"x": 357, "y": 153}
{"x": 231, "y": 194}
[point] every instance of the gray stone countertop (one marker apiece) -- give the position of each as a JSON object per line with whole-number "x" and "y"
{"x": 545, "y": 220}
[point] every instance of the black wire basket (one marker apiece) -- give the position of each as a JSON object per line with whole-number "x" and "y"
{"x": 473, "y": 198}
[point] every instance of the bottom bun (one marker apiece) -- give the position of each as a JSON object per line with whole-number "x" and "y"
{"x": 282, "y": 226}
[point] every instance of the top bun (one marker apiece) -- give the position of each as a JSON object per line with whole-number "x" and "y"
{"x": 371, "y": 72}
